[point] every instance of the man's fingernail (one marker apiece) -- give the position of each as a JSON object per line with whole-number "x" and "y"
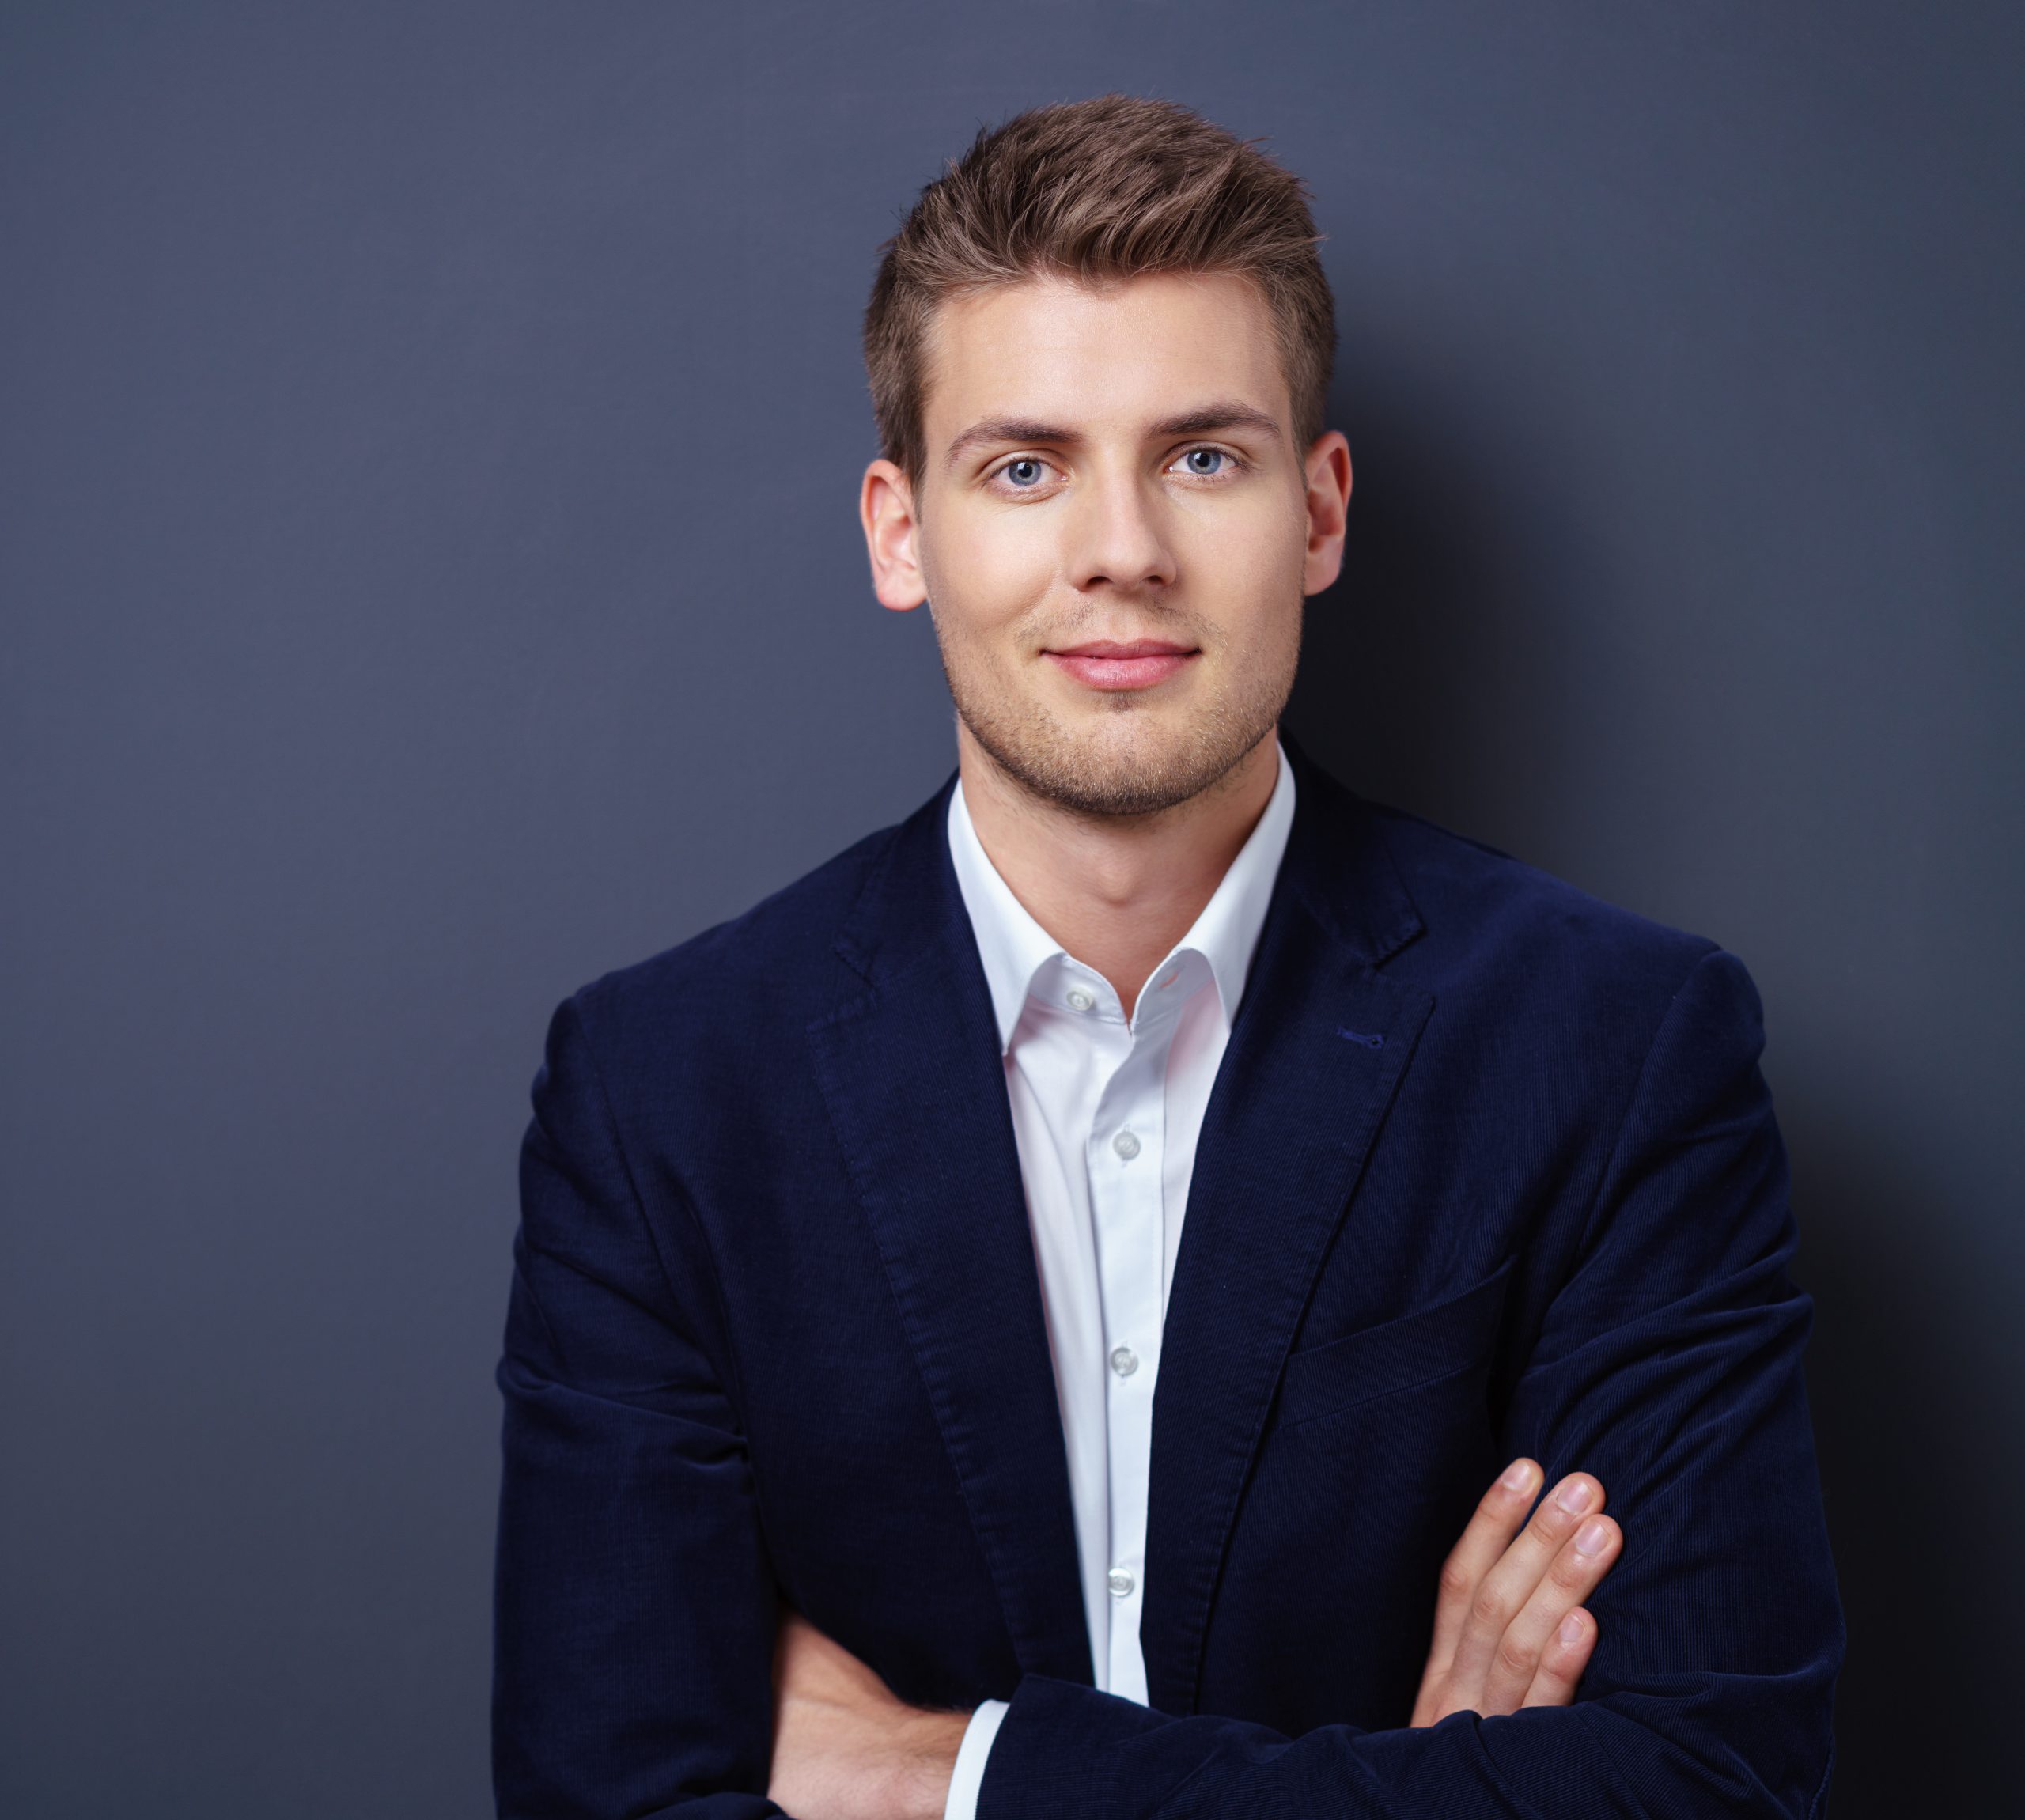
{"x": 1571, "y": 1632}
{"x": 1576, "y": 1497}
{"x": 1590, "y": 1538}
{"x": 1518, "y": 1476}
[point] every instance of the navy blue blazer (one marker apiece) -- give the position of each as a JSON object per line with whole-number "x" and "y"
{"x": 1488, "y": 1169}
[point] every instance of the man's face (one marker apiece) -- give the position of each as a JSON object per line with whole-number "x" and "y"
{"x": 1115, "y": 531}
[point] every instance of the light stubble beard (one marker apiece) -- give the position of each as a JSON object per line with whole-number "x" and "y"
{"x": 1103, "y": 780}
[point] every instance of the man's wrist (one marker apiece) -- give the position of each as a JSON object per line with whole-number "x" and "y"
{"x": 930, "y": 1748}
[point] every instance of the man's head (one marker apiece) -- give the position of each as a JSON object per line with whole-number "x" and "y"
{"x": 1099, "y": 350}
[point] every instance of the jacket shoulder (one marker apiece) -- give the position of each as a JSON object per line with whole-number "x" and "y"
{"x": 778, "y": 956}
{"x": 1484, "y": 909}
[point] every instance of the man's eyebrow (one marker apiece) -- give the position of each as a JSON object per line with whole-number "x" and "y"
{"x": 1212, "y": 418}
{"x": 1205, "y": 420}
{"x": 1008, "y": 429}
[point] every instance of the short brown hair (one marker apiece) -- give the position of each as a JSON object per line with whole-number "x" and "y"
{"x": 1098, "y": 191}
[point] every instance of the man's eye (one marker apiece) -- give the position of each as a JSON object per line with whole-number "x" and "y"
{"x": 1204, "y": 462}
{"x": 1026, "y": 471}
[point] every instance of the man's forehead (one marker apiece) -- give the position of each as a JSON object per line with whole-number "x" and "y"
{"x": 1141, "y": 351}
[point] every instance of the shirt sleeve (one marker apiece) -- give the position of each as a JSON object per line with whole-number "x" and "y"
{"x": 968, "y": 1777}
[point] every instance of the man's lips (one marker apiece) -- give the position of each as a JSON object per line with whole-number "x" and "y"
{"x": 1105, "y": 664}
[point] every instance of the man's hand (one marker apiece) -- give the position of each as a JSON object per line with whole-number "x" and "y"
{"x": 844, "y": 1747}
{"x": 1509, "y": 1629}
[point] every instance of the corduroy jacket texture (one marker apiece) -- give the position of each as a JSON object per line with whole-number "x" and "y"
{"x": 1490, "y": 1169}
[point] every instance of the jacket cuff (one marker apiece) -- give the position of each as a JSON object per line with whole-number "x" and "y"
{"x": 1048, "y": 1760}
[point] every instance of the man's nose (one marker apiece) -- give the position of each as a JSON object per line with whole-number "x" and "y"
{"x": 1119, "y": 534}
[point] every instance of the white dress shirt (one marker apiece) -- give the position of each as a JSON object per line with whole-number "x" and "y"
{"x": 1106, "y": 1113}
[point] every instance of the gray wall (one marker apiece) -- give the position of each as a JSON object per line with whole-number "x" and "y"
{"x": 427, "y": 442}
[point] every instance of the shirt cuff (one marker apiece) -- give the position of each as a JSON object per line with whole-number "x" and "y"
{"x": 967, "y": 1779}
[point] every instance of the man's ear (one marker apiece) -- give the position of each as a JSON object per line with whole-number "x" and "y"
{"x": 886, "y": 508}
{"x": 1328, "y": 468}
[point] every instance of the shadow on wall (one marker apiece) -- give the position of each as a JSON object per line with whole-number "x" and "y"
{"x": 1434, "y": 677}
{"x": 1921, "y": 1472}
{"x": 1422, "y": 680}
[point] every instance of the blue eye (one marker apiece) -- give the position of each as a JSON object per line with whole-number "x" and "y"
{"x": 1024, "y": 472}
{"x": 1205, "y": 461}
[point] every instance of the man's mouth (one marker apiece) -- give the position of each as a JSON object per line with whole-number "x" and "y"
{"x": 1105, "y": 664}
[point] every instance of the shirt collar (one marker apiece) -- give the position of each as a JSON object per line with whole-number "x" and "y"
{"x": 1014, "y": 947}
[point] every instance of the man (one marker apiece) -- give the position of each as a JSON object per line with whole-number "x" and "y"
{"x": 1017, "y": 1324}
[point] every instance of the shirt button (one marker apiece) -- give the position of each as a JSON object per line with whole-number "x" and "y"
{"x": 1125, "y": 1145}
{"x": 1079, "y": 1000}
{"x": 1120, "y": 1583}
{"x": 1124, "y": 1361}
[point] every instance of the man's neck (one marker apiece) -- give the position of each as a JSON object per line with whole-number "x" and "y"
{"x": 1118, "y": 892}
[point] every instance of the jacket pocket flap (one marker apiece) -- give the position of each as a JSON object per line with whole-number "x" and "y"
{"x": 1419, "y": 1347}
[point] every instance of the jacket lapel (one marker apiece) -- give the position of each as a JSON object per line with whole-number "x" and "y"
{"x": 910, "y": 1067}
{"x": 1319, "y": 1044}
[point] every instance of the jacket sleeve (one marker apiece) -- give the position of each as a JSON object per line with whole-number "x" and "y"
{"x": 634, "y": 1611}
{"x": 1668, "y": 1363}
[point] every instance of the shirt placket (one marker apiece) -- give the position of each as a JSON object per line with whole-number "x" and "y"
{"x": 1125, "y": 1150}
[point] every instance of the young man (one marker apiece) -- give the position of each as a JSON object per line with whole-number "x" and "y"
{"x": 1017, "y": 1324}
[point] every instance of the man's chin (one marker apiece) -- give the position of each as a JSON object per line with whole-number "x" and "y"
{"x": 1117, "y": 772}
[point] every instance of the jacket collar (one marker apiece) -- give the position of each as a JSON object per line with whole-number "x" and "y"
{"x": 1336, "y": 866}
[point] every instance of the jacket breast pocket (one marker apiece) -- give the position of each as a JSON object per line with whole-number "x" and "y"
{"x": 1446, "y": 1340}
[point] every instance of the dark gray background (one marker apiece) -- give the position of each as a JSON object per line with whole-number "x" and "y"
{"x": 428, "y": 436}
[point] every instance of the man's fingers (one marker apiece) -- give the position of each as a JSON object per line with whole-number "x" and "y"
{"x": 1562, "y": 1662}
{"x": 1571, "y": 1577}
{"x": 1498, "y": 1515}
{"x": 1502, "y": 1593}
